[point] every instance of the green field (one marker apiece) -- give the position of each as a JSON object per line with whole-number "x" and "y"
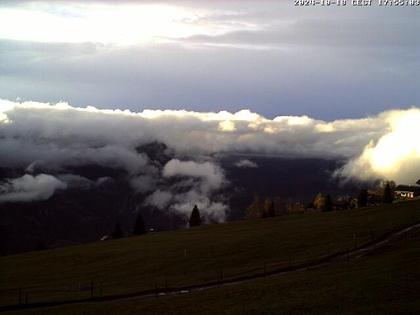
{"x": 385, "y": 282}
{"x": 204, "y": 254}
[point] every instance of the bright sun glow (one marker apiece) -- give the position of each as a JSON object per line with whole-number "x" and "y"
{"x": 126, "y": 24}
{"x": 398, "y": 145}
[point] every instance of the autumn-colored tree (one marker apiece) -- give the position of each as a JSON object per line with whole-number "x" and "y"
{"x": 268, "y": 211}
{"x": 295, "y": 207}
{"x": 279, "y": 206}
{"x": 255, "y": 210}
{"x": 323, "y": 202}
{"x": 319, "y": 202}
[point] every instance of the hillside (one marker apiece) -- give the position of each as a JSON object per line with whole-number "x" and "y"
{"x": 98, "y": 196}
{"x": 205, "y": 254}
{"x": 385, "y": 282}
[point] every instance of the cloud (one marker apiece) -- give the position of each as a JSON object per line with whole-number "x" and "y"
{"x": 61, "y": 135}
{"x": 143, "y": 183}
{"x": 187, "y": 193}
{"x": 160, "y": 199}
{"x": 244, "y": 43}
{"x": 30, "y": 188}
{"x": 395, "y": 156}
{"x": 212, "y": 211}
{"x": 138, "y": 22}
{"x": 56, "y": 137}
{"x": 246, "y": 164}
{"x": 75, "y": 181}
{"x": 212, "y": 176}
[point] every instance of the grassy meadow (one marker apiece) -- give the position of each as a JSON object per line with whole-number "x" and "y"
{"x": 384, "y": 282}
{"x": 208, "y": 253}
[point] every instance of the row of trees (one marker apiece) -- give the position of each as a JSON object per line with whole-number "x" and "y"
{"x": 384, "y": 194}
{"x": 138, "y": 229}
{"x": 262, "y": 208}
{"x": 323, "y": 202}
{"x": 140, "y": 226}
{"x": 270, "y": 207}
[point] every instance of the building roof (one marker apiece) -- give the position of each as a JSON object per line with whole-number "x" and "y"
{"x": 407, "y": 188}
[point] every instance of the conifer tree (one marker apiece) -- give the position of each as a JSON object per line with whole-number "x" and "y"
{"x": 195, "y": 219}
{"x": 41, "y": 245}
{"x": 139, "y": 226}
{"x": 362, "y": 198}
{"x": 117, "y": 233}
{"x": 388, "y": 196}
{"x": 328, "y": 204}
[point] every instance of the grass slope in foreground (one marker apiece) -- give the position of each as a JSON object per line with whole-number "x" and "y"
{"x": 194, "y": 256}
{"x": 385, "y": 282}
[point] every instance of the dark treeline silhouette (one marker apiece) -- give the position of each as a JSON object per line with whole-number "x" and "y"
{"x": 195, "y": 218}
{"x": 362, "y": 198}
{"x": 268, "y": 208}
{"x": 117, "y": 232}
{"x": 41, "y": 245}
{"x": 328, "y": 204}
{"x": 388, "y": 195}
{"x": 139, "y": 226}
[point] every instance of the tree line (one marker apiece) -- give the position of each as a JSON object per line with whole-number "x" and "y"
{"x": 268, "y": 207}
{"x": 140, "y": 226}
{"x": 274, "y": 206}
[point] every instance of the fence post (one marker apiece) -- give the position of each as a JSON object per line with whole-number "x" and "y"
{"x": 354, "y": 241}
{"x": 219, "y": 275}
{"x": 91, "y": 289}
{"x": 371, "y": 234}
{"x": 20, "y": 296}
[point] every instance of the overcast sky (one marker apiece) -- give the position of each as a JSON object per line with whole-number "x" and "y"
{"x": 268, "y": 56}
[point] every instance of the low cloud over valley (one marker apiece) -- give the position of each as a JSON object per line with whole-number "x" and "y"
{"x": 46, "y": 141}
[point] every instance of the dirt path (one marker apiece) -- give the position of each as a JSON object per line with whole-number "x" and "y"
{"x": 344, "y": 256}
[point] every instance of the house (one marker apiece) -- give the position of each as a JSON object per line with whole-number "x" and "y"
{"x": 406, "y": 192}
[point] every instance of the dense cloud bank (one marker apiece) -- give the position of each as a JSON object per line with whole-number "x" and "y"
{"x": 30, "y": 188}
{"x": 56, "y": 137}
{"x": 396, "y": 155}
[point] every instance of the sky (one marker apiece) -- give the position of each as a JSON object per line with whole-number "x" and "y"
{"x": 206, "y": 56}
